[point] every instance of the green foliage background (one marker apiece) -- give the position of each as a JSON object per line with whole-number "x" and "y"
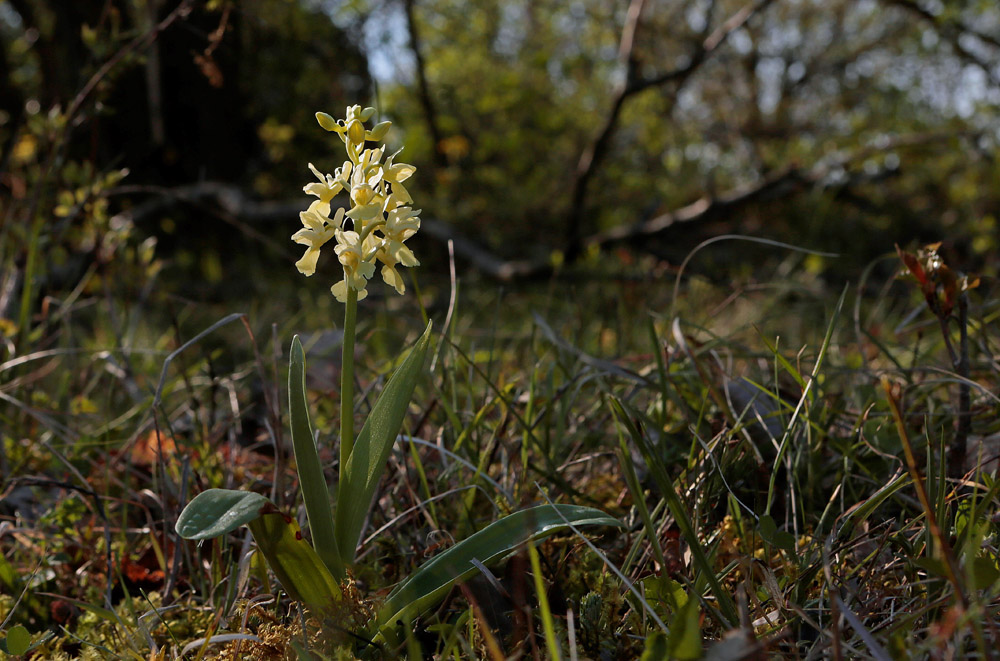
{"x": 883, "y": 114}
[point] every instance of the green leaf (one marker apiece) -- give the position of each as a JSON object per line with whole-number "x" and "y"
{"x": 8, "y": 577}
{"x": 312, "y": 482}
{"x": 302, "y": 573}
{"x": 300, "y": 570}
{"x": 685, "y": 632}
{"x": 365, "y": 466}
{"x": 737, "y": 645}
{"x": 18, "y": 640}
{"x": 777, "y": 538}
{"x": 665, "y": 590}
{"x": 102, "y": 613}
{"x": 932, "y": 566}
{"x": 984, "y": 572}
{"x": 655, "y": 648}
{"x": 218, "y": 511}
{"x": 767, "y": 527}
{"x": 432, "y": 581}
{"x": 301, "y": 653}
{"x": 865, "y": 508}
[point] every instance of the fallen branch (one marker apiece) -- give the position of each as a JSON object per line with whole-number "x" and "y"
{"x": 790, "y": 178}
{"x": 235, "y": 207}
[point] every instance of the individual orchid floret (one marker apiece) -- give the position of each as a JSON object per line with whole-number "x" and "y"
{"x": 328, "y": 186}
{"x": 365, "y": 188}
{"x": 367, "y": 204}
{"x": 395, "y": 174}
{"x": 392, "y": 278}
{"x": 316, "y": 230}
{"x": 401, "y": 223}
{"x": 369, "y": 167}
{"x": 378, "y": 131}
{"x": 352, "y": 129}
{"x": 358, "y": 267}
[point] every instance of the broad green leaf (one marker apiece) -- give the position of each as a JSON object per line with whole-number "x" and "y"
{"x": 655, "y": 648}
{"x": 739, "y": 645}
{"x": 432, "y": 581}
{"x": 666, "y": 590}
{"x": 684, "y": 641}
{"x": 315, "y": 492}
{"x": 301, "y": 653}
{"x": 8, "y": 577}
{"x": 767, "y": 527}
{"x": 300, "y": 570}
{"x": 18, "y": 640}
{"x": 984, "y": 573}
{"x": 364, "y": 468}
{"x": 218, "y": 511}
{"x": 932, "y": 565}
{"x": 302, "y": 573}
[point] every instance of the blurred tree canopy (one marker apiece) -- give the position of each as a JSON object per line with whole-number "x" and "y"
{"x": 544, "y": 131}
{"x": 818, "y": 122}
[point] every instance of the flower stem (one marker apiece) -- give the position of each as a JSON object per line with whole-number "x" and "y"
{"x": 347, "y": 381}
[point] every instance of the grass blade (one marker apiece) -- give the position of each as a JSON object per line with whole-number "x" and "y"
{"x": 551, "y": 642}
{"x": 676, "y": 507}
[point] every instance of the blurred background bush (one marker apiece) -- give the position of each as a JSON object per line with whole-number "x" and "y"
{"x": 143, "y": 134}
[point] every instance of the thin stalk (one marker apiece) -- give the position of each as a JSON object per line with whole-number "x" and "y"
{"x": 950, "y": 564}
{"x": 956, "y": 457}
{"x": 347, "y": 380}
{"x": 639, "y": 498}
{"x": 548, "y": 626}
{"x": 27, "y": 291}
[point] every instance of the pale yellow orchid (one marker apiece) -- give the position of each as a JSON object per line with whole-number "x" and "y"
{"x": 369, "y": 168}
{"x": 395, "y": 174}
{"x": 380, "y": 209}
{"x": 328, "y": 186}
{"x": 316, "y": 230}
{"x": 358, "y": 266}
{"x": 392, "y": 278}
{"x": 365, "y": 195}
{"x": 400, "y": 224}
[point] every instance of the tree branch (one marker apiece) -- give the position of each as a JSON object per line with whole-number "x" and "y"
{"x": 235, "y": 207}
{"x": 786, "y": 179}
{"x": 423, "y": 89}
{"x": 594, "y": 153}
